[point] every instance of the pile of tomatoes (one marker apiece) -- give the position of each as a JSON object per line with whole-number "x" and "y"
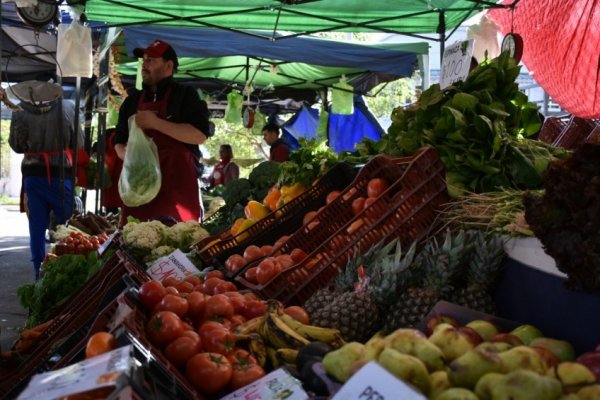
{"x": 192, "y": 323}
{"x": 79, "y": 243}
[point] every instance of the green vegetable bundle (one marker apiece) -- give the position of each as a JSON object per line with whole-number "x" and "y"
{"x": 308, "y": 162}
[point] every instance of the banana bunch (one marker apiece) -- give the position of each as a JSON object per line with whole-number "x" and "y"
{"x": 276, "y": 337}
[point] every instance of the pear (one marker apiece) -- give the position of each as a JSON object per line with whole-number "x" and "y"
{"x": 519, "y": 385}
{"x": 590, "y": 392}
{"x": 526, "y": 333}
{"x": 570, "y": 396}
{"x": 339, "y": 363}
{"x": 572, "y": 374}
{"x": 374, "y": 346}
{"x": 414, "y": 343}
{"x": 522, "y": 357}
{"x": 485, "y": 329}
{"x": 494, "y": 347}
{"x": 561, "y": 348}
{"x": 457, "y": 394}
{"x": 466, "y": 370}
{"x": 507, "y": 338}
{"x": 452, "y": 341}
{"x": 439, "y": 382}
{"x": 406, "y": 367}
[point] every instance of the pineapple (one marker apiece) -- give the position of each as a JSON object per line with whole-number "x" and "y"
{"x": 354, "y": 310}
{"x": 321, "y": 299}
{"x": 439, "y": 267}
{"x": 484, "y": 267}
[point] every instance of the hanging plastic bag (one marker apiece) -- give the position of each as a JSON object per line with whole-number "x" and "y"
{"x": 233, "y": 112}
{"x": 140, "y": 178}
{"x": 259, "y": 122}
{"x": 74, "y": 50}
{"x": 342, "y": 98}
{"x": 323, "y": 123}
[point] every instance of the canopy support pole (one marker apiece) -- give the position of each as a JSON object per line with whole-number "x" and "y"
{"x": 442, "y": 33}
{"x": 75, "y": 141}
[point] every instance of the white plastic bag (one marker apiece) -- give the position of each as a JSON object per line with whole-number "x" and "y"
{"x": 74, "y": 50}
{"x": 140, "y": 178}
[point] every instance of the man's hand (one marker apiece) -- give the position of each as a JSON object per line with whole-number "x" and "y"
{"x": 120, "y": 150}
{"x": 146, "y": 119}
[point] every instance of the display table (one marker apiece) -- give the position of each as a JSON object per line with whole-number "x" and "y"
{"x": 531, "y": 290}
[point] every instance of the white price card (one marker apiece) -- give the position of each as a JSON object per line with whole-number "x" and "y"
{"x": 456, "y": 62}
{"x": 108, "y": 242}
{"x": 175, "y": 264}
{"x": 93, "y": 373}
{"x": 373, "y": 382}
{"x": 278, "y": 384}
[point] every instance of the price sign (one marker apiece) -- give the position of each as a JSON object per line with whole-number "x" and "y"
{"x": 456, "y": 62}
{"x": 175, "y": 264}
{"x": 373, "y": 382}
{"x": 278, "y": 384}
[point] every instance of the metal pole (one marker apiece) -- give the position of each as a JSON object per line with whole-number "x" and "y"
{"x": 75, "y": 140}
{"x": 442, "y": 33}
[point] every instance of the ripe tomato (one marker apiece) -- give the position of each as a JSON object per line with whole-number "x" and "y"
{"x": 312, "y": 225}
{"x": 208, "y": 372}
{"x": 348, "y": 195}
{"x": 245, "y": 375}
{"x": 220, "y": 340}
{"x": 332, "y": 196}
{"x": 355, "y": 226}
{"x": 225, "y": 287}
{"x": 194, "y": 336}
{"x": 285, "y": 260}
{"x": 298, "y": 313}
{"x": 171, "y": 290}
{"x": 298, "y": 255}
{"x": 250, "y": 275}
{"x": 193, "y": 279}
{"x": 214, "y": 274}
{"x": 252, "y": 253}
{"x": 266, "y": 270}
{"x": 266, "y": 249}
{"x": 170, "y": 281}
{"x": 164, "y": 327}
{"x": 197, "y": 305}
{"x": 217, "y": 306}
{"x": 99, "y": 343}
{"x": 151, "y": 293}
{"x": 184, "y": 287}
{"x": 358, "y": 205}
{"x": 240, "y": 357}
{"x": 210, "y": 284}
{"x": 236, "y": 320}
{"x": 277, "y": 245}
{"x": 238, "y": 302}
{"x": 255, "y": 308}
{"x": 174, "y": 303}
{"x": 369, "y": 201}
{"x": 207, "y": 327}
{"x": 308, "y": 216}
{"x": 234, "y": 263}
{"x": 376, "y": 187}
{"x": 180, "y": 350}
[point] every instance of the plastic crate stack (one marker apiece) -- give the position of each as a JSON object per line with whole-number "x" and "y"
{"x": 575, "y": 133}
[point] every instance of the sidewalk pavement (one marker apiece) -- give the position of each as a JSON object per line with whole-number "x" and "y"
{"x": 15, "y": 270}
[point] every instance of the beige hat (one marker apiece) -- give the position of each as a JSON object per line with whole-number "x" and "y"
{"x": 36, "y": 92}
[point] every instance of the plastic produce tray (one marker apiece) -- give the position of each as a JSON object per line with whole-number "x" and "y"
{"x": 407, "y": 210}
{"x": 282, "y": 221}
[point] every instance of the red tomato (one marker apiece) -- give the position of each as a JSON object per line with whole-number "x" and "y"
{"x": 298, "y": 255}
{"x": 210, "y": 284}
{"x": 193, "y": 279}
{"x": 245, "y": 375}
{"x": 184, "y": 287}
{"x": 266, "y": 270}
{"x": 174, "y": 303}
{"x": 170, "y": 281}
{"x": 220, "y": 341}
{"x": 236, "y": 320}
{"x": 348, "y": 195}
{"x": 252, "y": 253}
{"x": 255, "y": 308}
{"x": 376, "y": 187}
{"x": 207, "y": 327}
{"x": 171, "y": 290}
{"x": 240, "y": 357}
{"x": 151, "y": 293}
{"x": 217, "y": 306}
{"x": 214, "y": 274}
{"x": 312, "y": 225}
{"x": 180, "y": 350}
{"x": 332, "y": 196}
{"x": 369, "y": 201}
{"x": 355, "y": 226}
{"x": 285, "y": 260}
{"x": 197, "y": 305}
{"x": 358, "y": 205}
{"x": 238, "y": 303}
{"x": 308, "y": 217}
{"x": 194, "y": 336}
{"x": 280, "y": 242}
{"x": 225, "y": 287}
{"x": 208, "y": 372}
{"x": 250, "y": 275}
{"x": 298, "y": 313}
{"x": 164, "y": 327}
{"x": 234, "y": 263}
{"x": 266, "y": 250}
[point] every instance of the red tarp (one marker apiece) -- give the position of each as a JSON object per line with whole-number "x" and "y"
{"x": 561, "y": 49}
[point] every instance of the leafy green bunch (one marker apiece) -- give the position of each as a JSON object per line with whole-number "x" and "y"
{"x": 308, "y": 162}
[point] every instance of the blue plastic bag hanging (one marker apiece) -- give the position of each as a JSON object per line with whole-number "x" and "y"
{"x": 233, "y": 112}
{"x": 342, "y": 97}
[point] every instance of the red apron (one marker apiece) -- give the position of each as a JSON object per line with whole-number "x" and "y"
{"x": 178, "y": 196}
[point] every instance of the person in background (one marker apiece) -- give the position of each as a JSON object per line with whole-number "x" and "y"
{"x": 226, "y": 170}
{"x": 177, "y": 120}
{"x": 279, "y": 150}
{"x": 43, "y": 131}
{"x": 111, "y": 200}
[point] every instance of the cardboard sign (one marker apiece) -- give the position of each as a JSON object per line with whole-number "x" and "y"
{"x": 373, "y": 382}
{"x": 455, "y": 63}
{"x": 175, "y": 264}
{"x": 93, "y": 373}
{"x": 278, "y": 384}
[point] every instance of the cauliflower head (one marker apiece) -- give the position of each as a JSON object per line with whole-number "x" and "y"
{"x": 159, "y": 252}
{"x": 144, "y": 236}
{"x": 184, "y": 235}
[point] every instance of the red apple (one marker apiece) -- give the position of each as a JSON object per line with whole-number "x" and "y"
{"x": 592, "y": 361}
{"x": 507, "y": 338}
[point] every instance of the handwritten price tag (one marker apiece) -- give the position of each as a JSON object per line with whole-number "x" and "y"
{"x": 456, "y": 62}
{"x": 175, "y": 264}
{"x": 278, "y": 384}
{"x": 373, "y": 382}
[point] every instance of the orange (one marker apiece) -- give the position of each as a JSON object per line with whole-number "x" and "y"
{"x": 99, "y": 343}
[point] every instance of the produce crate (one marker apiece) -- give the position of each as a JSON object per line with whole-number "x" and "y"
{"x": 574, "y": 133}
{"x": 594, "y": 136}
{"x": 282, "y": 221}
{"x": 551, "y": 129}
{"x": 406, "y": 210}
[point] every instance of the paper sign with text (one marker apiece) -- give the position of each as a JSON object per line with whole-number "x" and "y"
{"x": 175, "y": 264}
{"x": 373, "y": 382}
{"x": 456, "y": 62}
{"x": 93, "y": 373}
{"x": 278, "y": 384}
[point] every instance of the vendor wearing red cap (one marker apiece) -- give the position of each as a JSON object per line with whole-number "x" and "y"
{"x": 177, "y": 120}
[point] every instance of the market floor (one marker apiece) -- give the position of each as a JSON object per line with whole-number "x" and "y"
{"x": 15, "y": 270}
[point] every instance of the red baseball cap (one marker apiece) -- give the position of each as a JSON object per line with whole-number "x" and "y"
{"x": 158, "y": 48}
